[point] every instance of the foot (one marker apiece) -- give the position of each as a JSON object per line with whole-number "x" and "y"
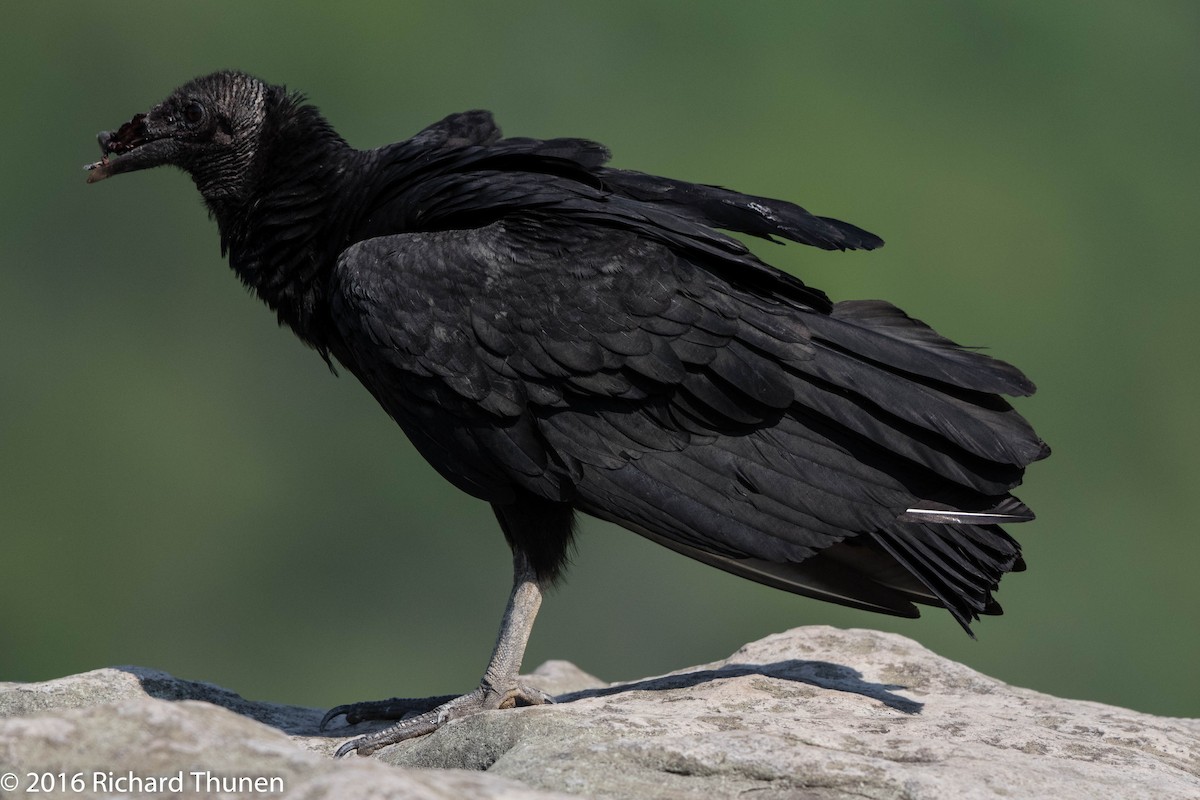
{"x": 431, "y": 713}
{"x": 498, "y": 689}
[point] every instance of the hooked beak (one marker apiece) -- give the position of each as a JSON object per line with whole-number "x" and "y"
{"x": 129, "y": 148}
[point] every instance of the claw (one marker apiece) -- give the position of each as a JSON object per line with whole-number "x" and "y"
{"x": 334, "y": 712}
{"x": 349, "y": 747}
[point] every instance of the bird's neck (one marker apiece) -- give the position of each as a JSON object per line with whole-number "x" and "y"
{"x": 283, "y": 239}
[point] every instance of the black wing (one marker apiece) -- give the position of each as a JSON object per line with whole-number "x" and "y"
{"x": 600, "y": 351}
{"x": 459, "y": 173}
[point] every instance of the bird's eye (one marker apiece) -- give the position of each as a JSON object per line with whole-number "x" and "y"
{"x": 193, "y": 112}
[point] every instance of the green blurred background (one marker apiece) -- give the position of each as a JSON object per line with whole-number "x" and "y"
{"x": 185, "y": 487}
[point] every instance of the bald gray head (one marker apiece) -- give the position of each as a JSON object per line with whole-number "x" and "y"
{"x": 210, "y": 127}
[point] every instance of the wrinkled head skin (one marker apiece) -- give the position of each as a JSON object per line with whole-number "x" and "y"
{"x": 208, "y": 127}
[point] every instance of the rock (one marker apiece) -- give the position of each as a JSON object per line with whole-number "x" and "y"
{"x": 129, "y": 723}
{"x": 812, "y": 713}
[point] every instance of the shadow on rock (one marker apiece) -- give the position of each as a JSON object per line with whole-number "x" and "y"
{"x": 822, "y": 674}
{"x": 292, "y": 720}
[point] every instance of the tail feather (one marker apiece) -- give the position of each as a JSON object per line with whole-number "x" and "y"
{"x": 961, "y": 577}
{"x": 1007, "y": 510}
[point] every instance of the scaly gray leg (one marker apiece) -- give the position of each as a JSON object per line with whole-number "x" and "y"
{"x": 498, "y": 689}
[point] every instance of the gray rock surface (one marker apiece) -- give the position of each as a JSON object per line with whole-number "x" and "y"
{"x": 812, "y": 713}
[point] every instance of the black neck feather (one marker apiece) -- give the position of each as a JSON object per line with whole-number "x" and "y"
{"x": 283, "y": 237}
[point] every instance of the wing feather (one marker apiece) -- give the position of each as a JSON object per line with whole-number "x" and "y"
{"x": 595, "y": 365}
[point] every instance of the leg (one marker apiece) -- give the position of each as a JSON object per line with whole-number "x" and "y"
{"x": 498, "y": 689}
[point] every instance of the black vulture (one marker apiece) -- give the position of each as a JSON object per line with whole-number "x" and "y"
{"x": 558, "y": 336}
